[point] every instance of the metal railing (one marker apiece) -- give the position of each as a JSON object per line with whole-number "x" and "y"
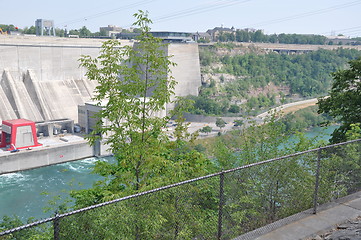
{"x": 223, "y": 205}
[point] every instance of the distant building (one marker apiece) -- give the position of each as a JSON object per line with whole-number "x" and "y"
{"x": 44, "y": 27}
{"x": 201, "y": 36}
{"x": 217, "y": 31}
{"x": 111, "y": 30}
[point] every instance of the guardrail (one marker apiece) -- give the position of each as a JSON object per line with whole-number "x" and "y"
{"x": 223, "y": 205}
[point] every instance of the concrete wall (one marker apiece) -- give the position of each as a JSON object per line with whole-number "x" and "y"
{"x": 187, "y": 71}
{"x": 40, "y": 78}
{"x": 44, "y": 156}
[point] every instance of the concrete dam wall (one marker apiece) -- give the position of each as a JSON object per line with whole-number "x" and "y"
{"x": 41, "y": 79}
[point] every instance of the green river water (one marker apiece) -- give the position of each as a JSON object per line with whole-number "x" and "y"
{"x": 27, "y": 193}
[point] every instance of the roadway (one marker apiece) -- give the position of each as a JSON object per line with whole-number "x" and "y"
{"x": 259, "y": 119}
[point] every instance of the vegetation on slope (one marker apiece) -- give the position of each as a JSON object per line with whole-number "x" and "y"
{"x": 344, "y": 101}
{"x": 250, "y": 79}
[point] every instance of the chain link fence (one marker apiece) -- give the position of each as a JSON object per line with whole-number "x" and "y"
{"x": 223, "y": 205}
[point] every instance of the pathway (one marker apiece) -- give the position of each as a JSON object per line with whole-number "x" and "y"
{"x": 307, "y": 226}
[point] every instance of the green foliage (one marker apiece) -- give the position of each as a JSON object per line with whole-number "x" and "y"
{"x": 259, "y": 36}
{"x": 261, "y": 101}
{"x": 245, "y": 35}
{"x": 260, "y": 195}
{"x": 29, "y": 30}
{"x": 355, "y": 132}
{"x": 220, "y": 123}
{"x": 84, "y": 32}
{"x": 42, "y": 232}
{"x": 206, "y": 57}
{"x": 303, "y": 119}
{"x": 206, "y": 129}
{"x": 234, "y": 108}
{"x": 306, "y": 74}
{"x": 81, "y": 32}
{"x": 134, "y": 83}
{"x": 340, "y": 172}
{"x": 8, "y": 28}
{"x": 206, "y": 106}
{"x": 74, "y": 32}
{"x": 344, "y": 101}
{"x": 238, "y": 123}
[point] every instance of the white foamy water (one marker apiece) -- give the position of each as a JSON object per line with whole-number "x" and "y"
{"x": 27, "y": 193}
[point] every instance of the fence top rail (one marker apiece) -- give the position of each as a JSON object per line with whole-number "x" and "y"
{"x": 57, "y": 216}
{"x": 29, "y": 225}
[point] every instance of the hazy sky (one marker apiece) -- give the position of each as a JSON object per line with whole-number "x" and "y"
{"x": 324, "y": 17}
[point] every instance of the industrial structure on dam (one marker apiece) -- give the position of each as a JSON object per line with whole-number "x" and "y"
{"x": 41, "y": 82}
{"x": 41, "y": 79}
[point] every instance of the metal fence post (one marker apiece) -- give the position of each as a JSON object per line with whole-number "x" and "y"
{"x": 56, "y": 226}
{"x": 317, "y": 182}
{"x": 221, "y": 203}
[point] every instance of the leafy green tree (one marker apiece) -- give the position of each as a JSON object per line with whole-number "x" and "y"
{"x": 29, "y": 30}
{"x": 238, "y": 123}
{"x": 84, "y": 32}
{"x": 60, "y": 32}
{"x": 74, "y": 32}
{"x": 258, "y": 36}
{"x": 220, "y": 123}
{"x": 40, "y": 232}
{"x": 7, "y": 28}
{"x": 206, "y": 129}
{"x": 135, "y": 83}
{"x": 355, "y": 132}
{"x": 344, "y": 102}
{"x": 234, "y": 108}
{"x": 134, "y": 86}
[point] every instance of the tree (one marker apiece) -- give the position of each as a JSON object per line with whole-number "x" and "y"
{"x": 60, "y": 32}
{"x": 234, "y": 108}
{"x": 74, "y": 32}
{"x": 206, "y": 129}
{"x": 30, "y": 30}
{"x": 238, "y": 123}
{"x": 134, "y": 87}
{"x": 84, "y": 32}
{"x": 344, "y": 101}
{"x": 134, "y": 83}
{"x": 220, "y": 123}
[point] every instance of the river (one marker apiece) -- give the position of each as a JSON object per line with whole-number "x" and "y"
{"x": 27, "y": 193}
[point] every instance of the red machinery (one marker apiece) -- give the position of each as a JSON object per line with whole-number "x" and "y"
{"x": 18, "y": 134}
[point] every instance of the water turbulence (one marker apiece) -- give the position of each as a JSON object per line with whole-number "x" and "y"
{"x": 28, "y": 193}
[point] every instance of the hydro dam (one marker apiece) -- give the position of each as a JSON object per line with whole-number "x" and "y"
{"x": 41, "y": 79}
